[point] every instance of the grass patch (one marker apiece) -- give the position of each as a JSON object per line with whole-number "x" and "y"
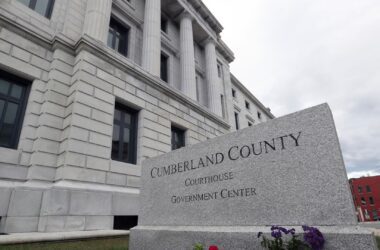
{"x": 114, "y": 243}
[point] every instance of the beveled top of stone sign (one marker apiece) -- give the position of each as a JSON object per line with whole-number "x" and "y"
{"x": 287, "y": 171}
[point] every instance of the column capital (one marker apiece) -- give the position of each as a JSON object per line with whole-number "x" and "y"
{"x": 208, "y": 40}
{"x": 185, "y": 14}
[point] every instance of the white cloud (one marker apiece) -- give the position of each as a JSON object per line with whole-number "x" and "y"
{"x": 298, "y": 53}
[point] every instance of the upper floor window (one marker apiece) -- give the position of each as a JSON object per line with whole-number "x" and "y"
{"x": 359, "y": 189}
{"x": 236, "y": 120}
{"x": 368, "y": 188}
{"x": 249, "y": 124}
{"x": 42, "y": 7}
{"x": 259, "y": 114}
{"x": 124, "y": 137}
{"x": 233, "y": 93}
{"x": 164, "y": 67}
{"x": 371, "y": 200}
{"x": 118, "y": 37}
{"x": 219, "y": 67}
{"x": 223, "y": 107}
{"x": 178, "y": 138}
{"x": 247, "y": 106}
{"x": 164, "y": 24}
{"x": 13, "y": 99}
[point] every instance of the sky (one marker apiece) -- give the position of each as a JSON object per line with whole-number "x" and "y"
{"x": 295, "y": 54}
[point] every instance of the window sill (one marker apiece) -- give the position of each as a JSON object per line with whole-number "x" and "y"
{"x": 125, "y": 168}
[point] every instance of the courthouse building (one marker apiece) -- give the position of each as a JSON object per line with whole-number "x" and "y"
{"x": 91, "y": 88}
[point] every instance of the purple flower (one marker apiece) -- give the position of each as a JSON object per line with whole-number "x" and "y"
{"x": 276, "y": 234}
{"x": 313, "y": 237}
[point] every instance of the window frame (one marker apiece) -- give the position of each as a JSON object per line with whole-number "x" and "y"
{"x": 133, "y": 127}
{"x": 116, "y": 26}
{"x": 23, "y": 101}
{"x": 247, "y": 105}
{"x": 49, "y": 9}
{"x": 175, "y": 129}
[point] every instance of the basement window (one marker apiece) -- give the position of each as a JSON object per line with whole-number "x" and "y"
{"x": 124, "y": 222}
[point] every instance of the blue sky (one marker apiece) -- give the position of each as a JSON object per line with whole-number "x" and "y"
{"x": 298, "y": 53}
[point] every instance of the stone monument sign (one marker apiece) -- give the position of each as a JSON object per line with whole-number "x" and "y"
{"x": 288, "y": 171}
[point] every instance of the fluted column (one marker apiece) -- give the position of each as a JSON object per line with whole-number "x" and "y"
{"x": 188, "y": 83}
{"x": 97, "y": 19}
{"x": 152, "y": 37}
{"x": 212, "y": 78}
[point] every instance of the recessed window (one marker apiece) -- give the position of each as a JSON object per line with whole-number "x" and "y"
{"x": 219, "y": 67}
{"x": 178, "y": 138}
{"x": 233, "y": 93}
{"x": 363, "y": 201}
{"x": 360, "y": 189}
{"x": 371, "y": 200}
{"x": 236, "y": 120}
{"x": 124, "y": 135}
{"x": 13, "y": 99}
{"x": 223, "y": 107}
{"x": 42, "y": 7}
{"x": 368, "y": 188}
{"x": 247, "y": 106}
{"x": 249, "y": 124}
{"x": 118, "y": 37}
{"x": 197, "y": 87}
{"x": 259, "y": 115}
{"x": 164, "y": 67}
{"x": 164, "y": 24}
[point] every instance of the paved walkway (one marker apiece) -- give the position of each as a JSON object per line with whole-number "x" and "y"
{"x": 58, "y": 236}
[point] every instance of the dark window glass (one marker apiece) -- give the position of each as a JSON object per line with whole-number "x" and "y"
{"x": 118, "y": 37}
{"x": 259, "y": 115}
{"x": 13, "y": 98}
{"x": 124, "y": 222}
{"x": 359, "y": 189}
{"x": 236, "y": 121}
{"x": 233, "y": 93}
{"x": 371, "y": 200}
{"x": 124, "y": 134}
{"x": 178, "y": 138}
{"x": 164, "y": 24}
{"x": 164, "y": 67}
{"x": 247, "y": 105}
{"x": 368, "y": 188}
{"x": 42, "y": 7}
{"x": 249, "y": 124}
{"x": 363, "y": 201}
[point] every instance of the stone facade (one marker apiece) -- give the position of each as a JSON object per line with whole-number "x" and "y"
{"x": 60, "y": 176}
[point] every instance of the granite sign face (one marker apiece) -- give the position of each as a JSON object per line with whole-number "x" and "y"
{"x": 287, "y": 171}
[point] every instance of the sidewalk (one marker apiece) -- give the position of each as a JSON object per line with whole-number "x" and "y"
{"x": 58, "y": 236}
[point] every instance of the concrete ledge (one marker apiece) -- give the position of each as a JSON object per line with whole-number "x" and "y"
{"x": 18, "y": 238}
{"x": 239, "y": 238}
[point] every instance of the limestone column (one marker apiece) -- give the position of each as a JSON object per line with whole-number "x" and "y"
{"x": 152, "y": 37}
{"x": 97, "y": 19}
{"x": 212, "y": 78}
{"x": 188, "y": 83}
